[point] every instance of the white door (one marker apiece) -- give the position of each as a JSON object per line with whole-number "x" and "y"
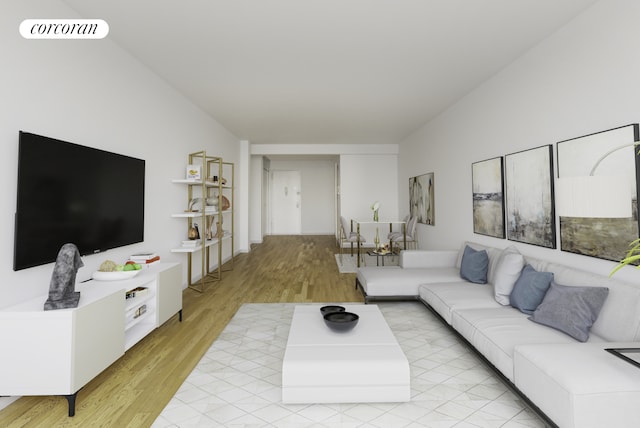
{"x": 285, "y": 203}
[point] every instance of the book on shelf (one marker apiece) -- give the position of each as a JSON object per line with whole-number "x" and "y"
{"x": 136, "y": 292}
{"x": 140, "y": 311}
{"x": 143, "y": 256}
{"x": 150, "y": 264}
{"x": 144, "y": 260}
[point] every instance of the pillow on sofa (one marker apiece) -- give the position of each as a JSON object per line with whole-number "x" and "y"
{"x": 572, "y": 310}
{"x": 474, "y": 265}
{"x": 530, "y": 289}
{"x": 508, "y": 269}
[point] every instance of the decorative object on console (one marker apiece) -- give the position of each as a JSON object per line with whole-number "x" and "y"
{"x": 62, "y": 291}
{"x": 422, "y": 198}
{"x": 529, "y": 189}
{"x": 598, "y": 192}
{"x": 487, "y": 182}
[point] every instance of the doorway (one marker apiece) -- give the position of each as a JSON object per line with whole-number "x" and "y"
{"x": 285, "y": 204}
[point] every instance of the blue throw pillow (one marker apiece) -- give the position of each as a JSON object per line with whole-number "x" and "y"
{"x": 530, "y": 289}
{"x": 474, "y": 265}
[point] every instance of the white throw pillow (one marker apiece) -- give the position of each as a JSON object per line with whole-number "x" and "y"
{"x": 508, "y": 269}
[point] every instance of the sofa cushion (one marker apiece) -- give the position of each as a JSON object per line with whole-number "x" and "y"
{"x": 530, "y": 289}
{"x": 474, "y": 265}
{"x": 508, "y": 269}
{"x": 580, "y": 384}
{"x": 572, "y": 310}
{"x": 395, "y": 281}
{"x": 446, "y": 298}
{"x": 495, "y": 333}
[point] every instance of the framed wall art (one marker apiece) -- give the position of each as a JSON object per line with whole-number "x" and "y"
{"x": 421, "y": 198}
{"x": 487, "y": 182}
{"x": 529, "y": 197}
{"x": 609, "y": 152}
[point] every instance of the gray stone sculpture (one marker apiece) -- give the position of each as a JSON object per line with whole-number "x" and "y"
{"x": 62, "y": 289}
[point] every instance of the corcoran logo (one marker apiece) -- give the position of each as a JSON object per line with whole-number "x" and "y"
{"x": 64, "y": 29}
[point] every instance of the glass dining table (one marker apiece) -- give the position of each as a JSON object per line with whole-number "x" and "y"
{"x": 368, "y": 223}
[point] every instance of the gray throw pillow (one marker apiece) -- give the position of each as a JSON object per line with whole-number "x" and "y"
{"x": 530, "y": 289}
{"x": 572, "y": 310}
{"x": 475, "y": 265}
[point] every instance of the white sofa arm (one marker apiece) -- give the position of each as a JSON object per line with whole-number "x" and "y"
{"x": 428, "y": 258}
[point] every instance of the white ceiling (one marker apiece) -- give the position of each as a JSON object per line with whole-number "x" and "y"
{"x": 327, "y": 71}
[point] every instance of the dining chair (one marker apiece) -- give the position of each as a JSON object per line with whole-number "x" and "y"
{"x": 348, "y": 235}
{"x": 412, "y": 238}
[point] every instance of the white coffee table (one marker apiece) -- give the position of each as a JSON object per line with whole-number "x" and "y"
{"x": 363, "y": 365}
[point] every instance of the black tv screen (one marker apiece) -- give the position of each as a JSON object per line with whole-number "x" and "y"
{"x": 68, "y": 193}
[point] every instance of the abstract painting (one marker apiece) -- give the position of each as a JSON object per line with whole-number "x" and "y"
{"x": 421, "y": 198}
{"x": 529, "y": 194}
{"x": 608, "y": 152}
{"x": 487, "y": 182}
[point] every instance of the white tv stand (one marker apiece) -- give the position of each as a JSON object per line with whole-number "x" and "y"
{"x": 57, "y": 352}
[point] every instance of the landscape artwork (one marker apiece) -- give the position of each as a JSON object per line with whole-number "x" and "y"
{"x": 608, "y": 152}
{"x": 487, "y": 183}
{"x": 529, "y": 197}
{"x": 421, "y": 198}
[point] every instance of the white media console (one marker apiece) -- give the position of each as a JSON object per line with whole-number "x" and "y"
{"x": 57, "y": 352}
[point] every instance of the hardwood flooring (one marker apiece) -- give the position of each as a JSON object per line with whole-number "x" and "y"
{"x": 133, "y": 391}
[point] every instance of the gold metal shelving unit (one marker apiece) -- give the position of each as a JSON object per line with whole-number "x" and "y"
{"x": 211, "y": 217}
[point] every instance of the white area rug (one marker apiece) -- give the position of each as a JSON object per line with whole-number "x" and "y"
{"x": 238, "y": 381}
{"x": 348, "y": 263}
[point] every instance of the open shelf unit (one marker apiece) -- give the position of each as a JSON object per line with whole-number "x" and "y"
{"x": 213, "y": 191}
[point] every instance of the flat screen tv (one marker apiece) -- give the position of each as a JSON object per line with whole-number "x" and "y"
{"x": 68, "y": 193}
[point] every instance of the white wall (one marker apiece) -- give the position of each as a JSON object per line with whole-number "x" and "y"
{"x": 365, "y": 179}
{"x": 371, "y": 174}
{"x": 580, "y": 80}
{"x": 94, "y": 93}
{"x": 255, "y": 201}
{"x": 317, "y": 193}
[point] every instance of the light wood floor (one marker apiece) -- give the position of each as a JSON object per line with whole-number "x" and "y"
{"x": 135, "y": 389}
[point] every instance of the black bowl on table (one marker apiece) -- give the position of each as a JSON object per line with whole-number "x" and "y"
{"x": 341, "y": 321}
{"x": 331, "y": 308}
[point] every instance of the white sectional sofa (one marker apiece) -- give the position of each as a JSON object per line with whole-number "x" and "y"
{"x": 571, "y": 382}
